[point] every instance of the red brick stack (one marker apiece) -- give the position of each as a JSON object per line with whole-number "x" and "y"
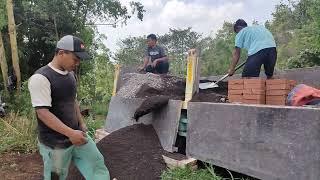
{"x": 254, "y": 91}
{"x": 235, "y": 90}
{"x": 277, "y": 91}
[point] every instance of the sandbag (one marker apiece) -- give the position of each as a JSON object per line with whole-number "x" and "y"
{"x": 302, "y": 95}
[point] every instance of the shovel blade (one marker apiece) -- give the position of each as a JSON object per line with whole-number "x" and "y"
{"x": 208, "y": 85}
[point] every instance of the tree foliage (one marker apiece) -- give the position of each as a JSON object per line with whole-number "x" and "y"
{"x": 295, "y": 27}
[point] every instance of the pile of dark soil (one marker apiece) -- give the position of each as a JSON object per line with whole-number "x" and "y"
{"x": 174, "y": 88}
{"x": 150, "y": 104}
{"x": 131, "y": 153}
{"x": 218, "y": 94}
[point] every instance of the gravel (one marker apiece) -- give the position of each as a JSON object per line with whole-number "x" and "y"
{"x": 134, "y": 82}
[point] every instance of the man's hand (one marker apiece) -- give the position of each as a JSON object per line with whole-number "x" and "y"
{"x": 154, "y": 63}
{"x": 231, "y": 71}
{"x": 78, "y": 137}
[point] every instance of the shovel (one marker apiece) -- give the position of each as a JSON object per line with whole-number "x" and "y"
{"x": 208, "y": 85}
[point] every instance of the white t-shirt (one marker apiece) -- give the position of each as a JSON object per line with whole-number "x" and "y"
{"x": 39, "y": 88}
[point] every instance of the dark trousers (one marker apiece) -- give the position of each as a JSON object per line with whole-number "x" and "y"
{"x": 266, "y": 57}
{"x": 161, "y": 68}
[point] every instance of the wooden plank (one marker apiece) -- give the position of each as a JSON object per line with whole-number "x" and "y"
{"x": 173, "y": 163}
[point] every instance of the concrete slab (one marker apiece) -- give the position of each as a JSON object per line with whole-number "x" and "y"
{"x": 121, "y": 111}
{"x": 267, "y": 142}
{"x": 165, "y": 121}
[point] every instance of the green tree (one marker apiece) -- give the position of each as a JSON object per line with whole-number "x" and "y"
{"x": 295, "y": 30}
{"x": 216, "y": 57}
{"x": 177, "y": 43}
{"x": 131, "y": 51}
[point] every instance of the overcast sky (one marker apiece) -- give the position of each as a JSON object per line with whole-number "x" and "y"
{"x": 204, "y": 16}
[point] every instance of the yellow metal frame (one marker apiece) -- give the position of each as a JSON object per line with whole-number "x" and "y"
{"x": 192, "y": 76}
{"x": 116, "y": 77}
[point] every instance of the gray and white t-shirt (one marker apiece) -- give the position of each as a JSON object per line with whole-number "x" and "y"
{"x": 155, "y": 52}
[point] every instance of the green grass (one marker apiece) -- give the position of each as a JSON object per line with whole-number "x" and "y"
{"x": 199, "y": 174}
{"x": 18, "y": 133}
{"x": 188, "y": 174}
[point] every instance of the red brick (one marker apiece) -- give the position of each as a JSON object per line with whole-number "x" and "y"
{"x": 235, "y": 87}
{"x": 254, "y": 97}
{"x": 255, "y": 86}
{"x": 277, "y": 81}
{"x": 235, "y": 91}
{"x": 235, "y": 98}
{"x": 235, "y": 84}
{"x": 235, "y": 81}
{"x": 279, "y": 87}
{"x": 254, "y": 91}
{"x": 276, "y": 92}
{"x": 278, "y": 84}
{"x": 250, "y": 101}
{"x": 254, "y": 81}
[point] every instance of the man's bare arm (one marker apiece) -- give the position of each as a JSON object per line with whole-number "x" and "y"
{"x": 235, "y": 60}
{"x": 163, "y": 59}
{"x": 76, "y": 137}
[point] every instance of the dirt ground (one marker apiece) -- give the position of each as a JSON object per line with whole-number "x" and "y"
{"x": 15, "y": 166}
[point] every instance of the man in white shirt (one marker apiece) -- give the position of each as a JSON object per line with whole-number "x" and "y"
{"x": 62, "y": 136}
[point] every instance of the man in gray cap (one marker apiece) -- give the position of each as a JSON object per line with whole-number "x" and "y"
{"x": 62, "y": 132}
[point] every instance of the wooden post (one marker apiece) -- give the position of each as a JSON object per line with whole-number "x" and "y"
{"x": 3, "y": 63}
{"x": 13, "y": 42}
{"x": 116, "y": 77}
{"x": 192, "y": 79}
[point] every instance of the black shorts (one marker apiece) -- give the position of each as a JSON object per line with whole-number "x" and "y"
{"x": 161, "y": 68}
{"x": 267, "y": 57}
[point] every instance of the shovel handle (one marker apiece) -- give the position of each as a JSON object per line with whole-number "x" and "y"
{"x": 240, "y": 65}
{"x": 227, "y": 75}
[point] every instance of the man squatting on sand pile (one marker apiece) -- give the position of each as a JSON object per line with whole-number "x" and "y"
{"x": 155, "y": 59}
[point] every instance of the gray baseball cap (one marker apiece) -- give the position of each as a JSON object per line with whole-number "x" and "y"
{"x": 75, "y": 45}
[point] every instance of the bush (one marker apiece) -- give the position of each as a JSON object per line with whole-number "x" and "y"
{"x": 93, "y": 124}
{"x": 306, "y": 58}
